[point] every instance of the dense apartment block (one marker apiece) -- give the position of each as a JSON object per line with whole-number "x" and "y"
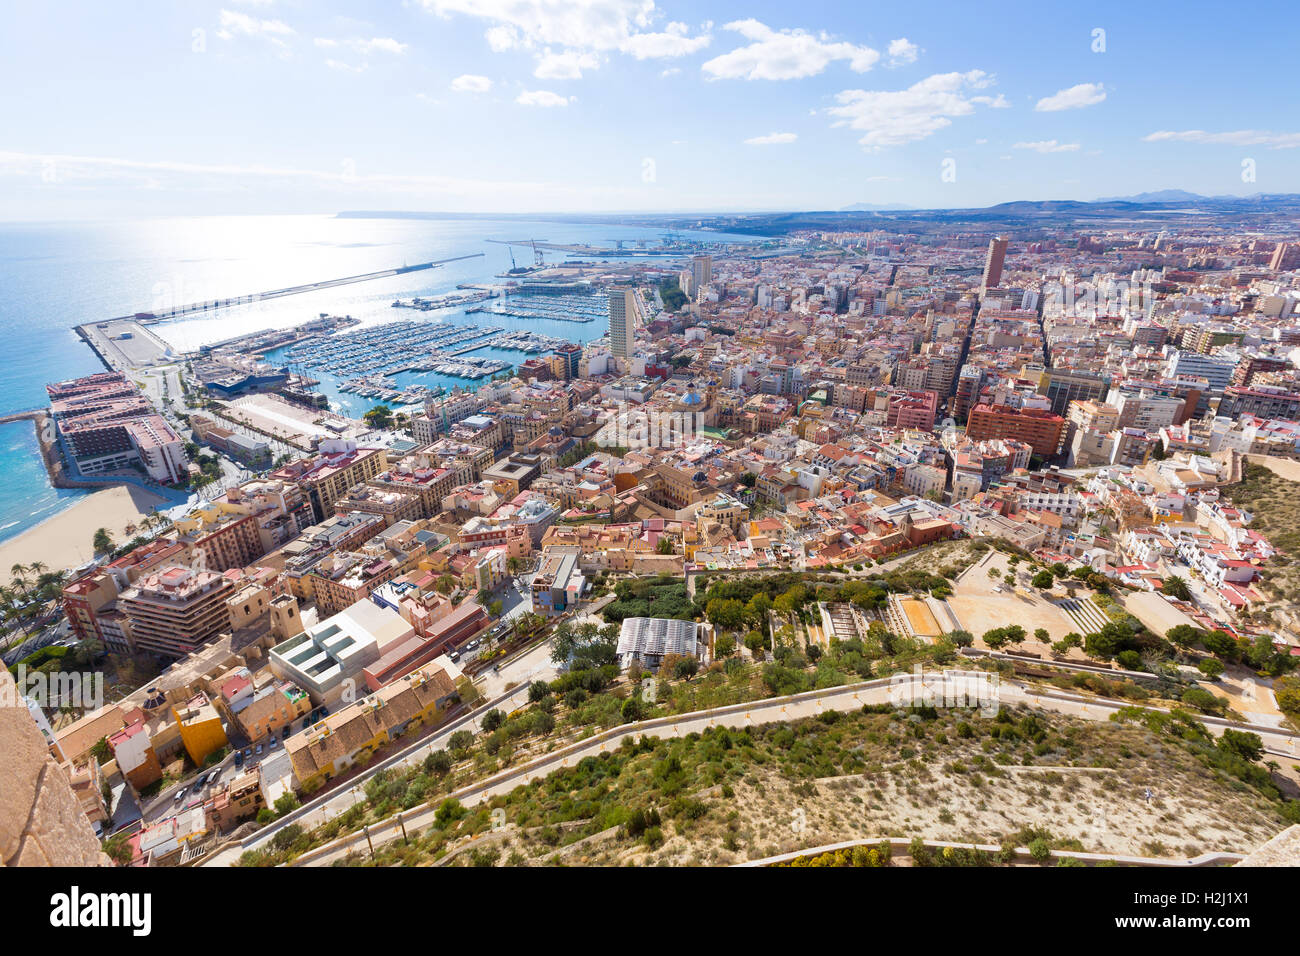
{"x": 106, "y": 426}
{"x": 175, "y": 611}
{"x": 1043, "y": 431}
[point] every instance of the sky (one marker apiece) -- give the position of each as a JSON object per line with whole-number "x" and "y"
{"x": 297, "y": 106}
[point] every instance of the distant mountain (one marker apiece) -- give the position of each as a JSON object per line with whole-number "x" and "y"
{"x": 1160, "y": 195}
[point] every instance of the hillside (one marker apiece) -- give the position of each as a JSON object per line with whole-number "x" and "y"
{"x": 727, "y": 796}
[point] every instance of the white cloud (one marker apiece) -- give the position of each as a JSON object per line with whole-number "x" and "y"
{"x": 470, "y": 83}
{"x": 1239, "y": 137}
{"x": 565, "y": 65}
{"x": 674, "y": 41}
{"x": 575, "y": 35}
{"x": 897, "y": 117}
{"x": 1073, "y": 98}
{"x": 671, "y": 71}
{"x": 502, "y": 38}
{"x": 584, "y": 24}
{"x": 772, "y": 139}
{"x": 363, "y": 45}
{"x": 1047, "y": 146}
{"x": 542, "y": 98}
{"x": 343, "y": 67}
{"x": 241, "y": 24}
{"x": 785, "y": 54}
{"x": 903, "y": 51}
{"x": 377, "y": 45}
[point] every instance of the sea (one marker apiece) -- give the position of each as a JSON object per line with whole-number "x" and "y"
{"x": 54, "y": 276}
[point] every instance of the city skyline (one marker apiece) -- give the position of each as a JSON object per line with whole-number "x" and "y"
{"x": 626, "y": 105}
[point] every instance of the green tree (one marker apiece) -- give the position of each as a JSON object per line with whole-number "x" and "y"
{"x": 725, "y": 613}
{"x": 1177, "y": 587}
{"x": 1184, "y": 635}
{"x": 118, "y": 849}
{"x": 1246, "y": 745}
{"x": 1222, "y": 645}
{"x": 102, "y": 541}
{"x": 1211, "y": 667}
{"x": 286, "y": 803}
{"x": 381, "y": 416}
{"x": 448, "y": 812}
{"x": 1043, "y": 580}
{"x": 996, "y": 638}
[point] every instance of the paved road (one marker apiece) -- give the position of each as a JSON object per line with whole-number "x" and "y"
{"x": 326, "y": 808}
{"x": 851, "y": 697}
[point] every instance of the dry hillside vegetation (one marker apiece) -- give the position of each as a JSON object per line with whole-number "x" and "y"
{"x": 731, "y": 795}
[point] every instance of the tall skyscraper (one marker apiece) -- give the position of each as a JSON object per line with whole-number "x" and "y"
{"x": 701, "y": 274}
{"x": 622, "y": 321}
{"x": 993, "y": 262}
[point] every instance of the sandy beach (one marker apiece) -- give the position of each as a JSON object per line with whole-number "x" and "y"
{"x": 63, "y": 541}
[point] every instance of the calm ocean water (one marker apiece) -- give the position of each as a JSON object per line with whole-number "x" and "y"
{"x": 58, "y": 275}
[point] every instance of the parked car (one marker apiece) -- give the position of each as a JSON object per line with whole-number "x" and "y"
{"x": 239, "y": 759}
{"x": 180, "y": 795}
{"x": 259, "y": 750}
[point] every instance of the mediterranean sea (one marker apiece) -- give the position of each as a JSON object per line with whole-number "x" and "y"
{"x": 54, "y": 276}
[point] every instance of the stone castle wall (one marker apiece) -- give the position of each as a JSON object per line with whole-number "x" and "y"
{"x": 41, "y": 821}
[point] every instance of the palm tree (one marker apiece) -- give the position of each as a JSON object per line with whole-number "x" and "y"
{"x": 19, "y": 572}
{"x": 1176, "y": 586}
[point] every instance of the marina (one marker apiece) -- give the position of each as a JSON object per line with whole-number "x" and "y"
{"x": 451, "y": 300}
{"x": 570, "y": 304}
{"x": 402, "y": 346}
{"x": 368, "y": 362}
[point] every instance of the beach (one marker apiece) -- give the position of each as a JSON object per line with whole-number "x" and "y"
{"x": 64, "y": 541}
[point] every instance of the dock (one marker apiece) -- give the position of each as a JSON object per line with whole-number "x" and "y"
{"x": 126, "y": 342}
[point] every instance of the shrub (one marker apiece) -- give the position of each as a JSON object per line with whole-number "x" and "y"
{"x": 1039, "y": 849}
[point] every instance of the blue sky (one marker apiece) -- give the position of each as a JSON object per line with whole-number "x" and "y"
{"x": 157, "y": 108}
